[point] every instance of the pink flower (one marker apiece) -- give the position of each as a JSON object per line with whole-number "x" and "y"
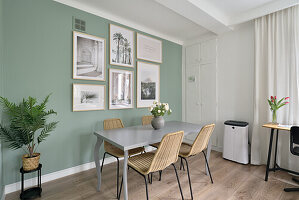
{"x": 275, "y": 97}
{"x": 272, "y": 100}
{"x": 286, "y": 102}
{"x": 286, "y": 98}
{"x": 271, "y": 97}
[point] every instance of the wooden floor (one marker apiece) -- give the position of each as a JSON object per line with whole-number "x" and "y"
{"x": 231, "y": 181}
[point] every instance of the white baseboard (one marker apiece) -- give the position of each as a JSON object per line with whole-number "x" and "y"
{"x": 59, "y": 174}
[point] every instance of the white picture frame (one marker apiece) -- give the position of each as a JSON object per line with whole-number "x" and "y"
{"x": 89, "y": 57}
{"x": 148, "y": 84}
{"x": 149, "y": 49}
{"x": 121, "y": 46}
{"x": 121, "y": 93}
{"x": 88, "y": 97}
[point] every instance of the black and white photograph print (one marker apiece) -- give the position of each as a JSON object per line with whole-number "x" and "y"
{"x": 121, "y": 89}
{"x": 148, "y": 84}
{"x": 88, "y": 97}
{"x": 121, "y": 46}
{"x": 89, "y": 60}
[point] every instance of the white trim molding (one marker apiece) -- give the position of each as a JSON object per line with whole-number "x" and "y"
{"x": 59, "y": 174}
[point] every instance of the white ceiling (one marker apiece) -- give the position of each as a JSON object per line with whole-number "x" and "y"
{"x": 180, "y": 20}
{"x": 234, "y": 7}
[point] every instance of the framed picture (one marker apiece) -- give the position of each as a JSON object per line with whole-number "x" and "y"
{"x": 89, "y": 57}
{"x": 149, "y": 49}
{"x": 121, "y": 46}
{"x": 121, "y": 89}
{"x": 148, "y": 84}
{"x": 88, "y": 97}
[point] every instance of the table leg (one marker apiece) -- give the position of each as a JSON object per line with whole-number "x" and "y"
{"x": 274, "y": 165}
{"x": 269, "y": 154}
{"x": 97, "y": 160}
{"x": 125, "y": 181}
{"x": 208, "y": 155}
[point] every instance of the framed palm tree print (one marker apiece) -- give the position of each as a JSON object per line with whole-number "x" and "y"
{"x": 121, "y": 46}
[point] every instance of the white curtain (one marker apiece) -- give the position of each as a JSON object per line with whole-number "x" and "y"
{"x": 277, "y": 74}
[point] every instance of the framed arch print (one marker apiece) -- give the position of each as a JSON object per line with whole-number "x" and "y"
{"x": 121, "y": 93}
{"x": 89, "y": 57}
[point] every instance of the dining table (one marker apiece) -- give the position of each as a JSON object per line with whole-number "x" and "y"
{"x": 138, "y": 136}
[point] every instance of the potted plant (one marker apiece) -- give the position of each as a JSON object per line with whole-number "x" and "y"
{"x": 158, "y": 110}
{"x": 27, "y": 120}
{"x": 275, "y": 105}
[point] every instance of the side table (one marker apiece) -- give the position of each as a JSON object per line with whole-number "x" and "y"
{"x": 33, "y": 192}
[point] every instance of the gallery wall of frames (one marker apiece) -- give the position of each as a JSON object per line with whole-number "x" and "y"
{"x": 89, "y": 64}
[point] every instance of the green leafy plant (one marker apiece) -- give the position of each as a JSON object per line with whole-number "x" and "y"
{"x": 160, "y": 109}
{"x": 26, "y": 120}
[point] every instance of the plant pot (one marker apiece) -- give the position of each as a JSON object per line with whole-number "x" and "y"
{"x": 158, "y": 122}
{"x": 30, "y": 163}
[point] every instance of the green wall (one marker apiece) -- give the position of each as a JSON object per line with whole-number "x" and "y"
{"x": 1, "y": 88}
{"x": 38, "y": 61}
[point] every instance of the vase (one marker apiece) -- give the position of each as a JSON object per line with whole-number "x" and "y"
{"x": 274, "y": 117}
{"x": 158, "y": 122}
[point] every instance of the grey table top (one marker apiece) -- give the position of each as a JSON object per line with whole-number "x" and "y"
{"x": 138, "y": 136}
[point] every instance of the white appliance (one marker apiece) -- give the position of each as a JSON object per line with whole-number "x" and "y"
{"x": 235, "y": 141}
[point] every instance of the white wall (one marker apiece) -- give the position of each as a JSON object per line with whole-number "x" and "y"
{"x": 235, "y": 76}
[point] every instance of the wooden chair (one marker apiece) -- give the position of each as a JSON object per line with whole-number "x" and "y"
{"x": 113, "y": 150}
{"x": 147, "y": 119}
{"x": 199, "y": 145}
{"x": 294, "y": 140}
{"x": 166, "y": 155}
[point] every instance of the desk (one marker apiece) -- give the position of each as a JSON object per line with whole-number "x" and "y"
{"x": 137, "y": 136}
{"x": 275, "y": 165}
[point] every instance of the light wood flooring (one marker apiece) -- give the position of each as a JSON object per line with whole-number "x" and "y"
{"x": 232, "y": 181}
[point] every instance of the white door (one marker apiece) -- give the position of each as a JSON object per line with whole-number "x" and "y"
{"x": 200, "y": 85}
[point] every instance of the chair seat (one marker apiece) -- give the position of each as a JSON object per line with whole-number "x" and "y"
{"x": 113, "y": 150}
{"x": 296, "y": 150}
{"x": 141, "y": 162}
{"x": 185, "y": 149}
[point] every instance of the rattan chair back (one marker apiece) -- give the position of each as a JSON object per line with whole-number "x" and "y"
{"x": 202, "y": 140}
{"x": 111, "y": 124}
{"x": 147, "y": 119}
{"x": 168, "y": 151}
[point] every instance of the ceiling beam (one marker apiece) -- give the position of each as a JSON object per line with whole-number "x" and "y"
{"x": 192, "y": 10}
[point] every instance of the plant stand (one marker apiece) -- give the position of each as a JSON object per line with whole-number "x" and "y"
{"x": 33, "y": 192}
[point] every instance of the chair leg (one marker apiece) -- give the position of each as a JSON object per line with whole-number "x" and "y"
{"x": 146, "y": 190}
{"x": 291, "y": 189}
{"x": 160, "y": 175}
{"x": 121, "y": 185}
{"x": 177, "y": 177}
{"x": 189, "y": 178}
{"x": 117, "y": 178}
{"x": 182, "y": 165}
{"x": 103, "y": 161}
{"x": 208, "y": 167}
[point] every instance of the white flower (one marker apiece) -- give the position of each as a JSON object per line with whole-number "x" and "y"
{"x": 159, "y": 111}
{"x": 163, "y": 111}
{"x": 170, "y": 110}
{"x": 150, "y": 108}
{"x": 155, "y": 102}
{"x": 159, "y": 104}
{"x": 166, "y": 107}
